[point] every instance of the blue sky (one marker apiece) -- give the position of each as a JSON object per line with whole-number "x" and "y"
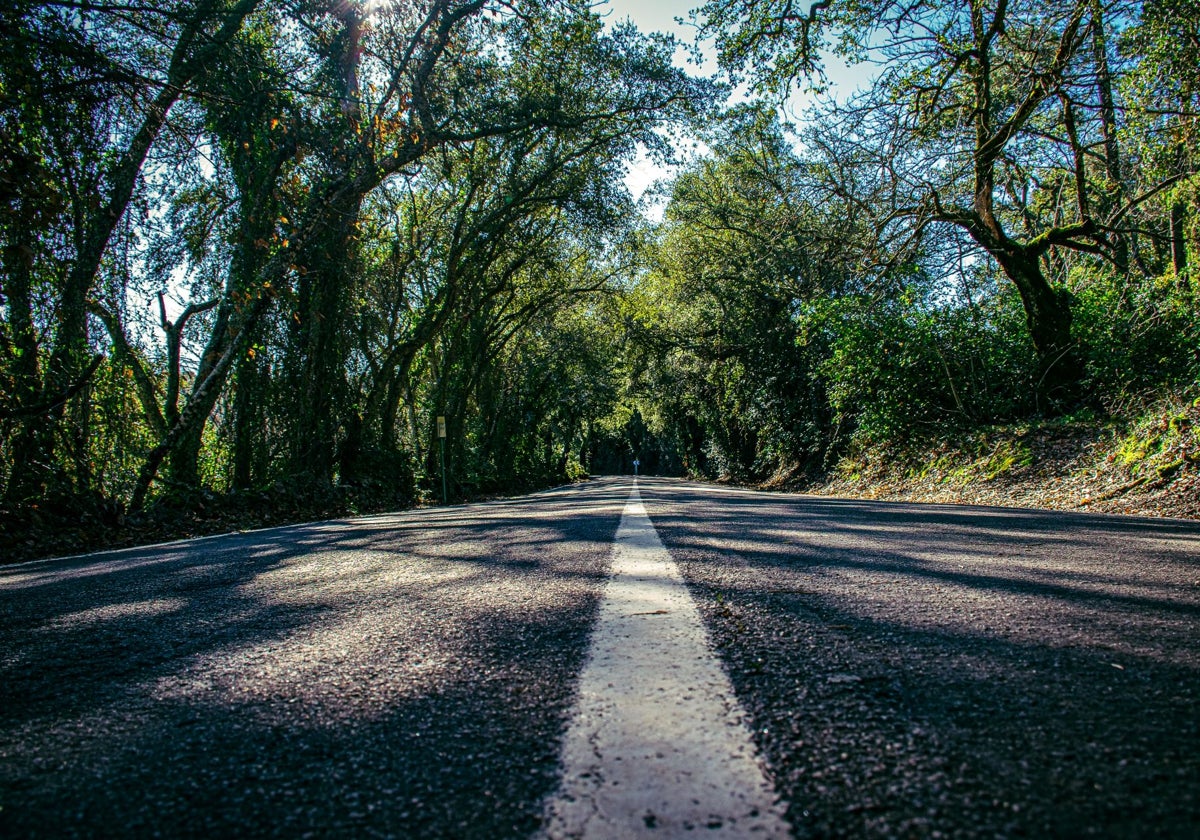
{"x": 653, "y": 15}
{"x": 659, "y": 16}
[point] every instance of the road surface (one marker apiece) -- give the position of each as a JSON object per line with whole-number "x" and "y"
{"x": 901, "y": 670}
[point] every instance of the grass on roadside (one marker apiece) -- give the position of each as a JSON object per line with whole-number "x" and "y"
{"x": 1141, "y": 461}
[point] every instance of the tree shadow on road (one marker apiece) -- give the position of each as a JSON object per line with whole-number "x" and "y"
{"x": 914, "y": 668}
{"x": 398, "y": 676}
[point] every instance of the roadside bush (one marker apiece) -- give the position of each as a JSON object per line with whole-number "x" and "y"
{"x": 1138, "y": 339}
{"x": 899, "y": 368}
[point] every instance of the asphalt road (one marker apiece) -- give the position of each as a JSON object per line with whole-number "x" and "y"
{"x": 907, "y": 670}
{"x": 935, "y": 670}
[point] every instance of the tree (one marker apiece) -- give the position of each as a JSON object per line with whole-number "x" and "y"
{"x": 248, "y": 161}
{"x": 743, "y": 248}
{"x": 985, "y": 116}
{"x": 114, "y": 82}
{"x": 1164, "y": 88}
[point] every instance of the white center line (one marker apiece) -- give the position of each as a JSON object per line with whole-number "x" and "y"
{"x": 658, "y": 745}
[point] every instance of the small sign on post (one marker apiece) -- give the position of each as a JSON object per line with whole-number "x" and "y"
{"x": 441, "y": 424}
{"x": 636, "y": 464}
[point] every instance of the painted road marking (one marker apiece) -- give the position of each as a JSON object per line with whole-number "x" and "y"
{"x": 658, "y": 745}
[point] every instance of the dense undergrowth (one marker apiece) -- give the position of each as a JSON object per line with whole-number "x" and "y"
{"x": 56, "y": 528}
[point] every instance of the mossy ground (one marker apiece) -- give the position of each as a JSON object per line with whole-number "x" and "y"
{"x": 1145, "y": 463}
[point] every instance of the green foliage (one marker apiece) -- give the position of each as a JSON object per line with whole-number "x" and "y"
{"x": 897, "y": 368}
{"x": 1139, "y": 339}
{"x": 117, "y": 440}
{"x": 1002, "y": 225}
{"x": 356, "y": 228}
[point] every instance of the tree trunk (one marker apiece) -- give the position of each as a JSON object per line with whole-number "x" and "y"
{"x": 319, "y": 340}
{"x": 183, "y": 464}
{"x": 318, "y": 344}
{"x": 1114, "y": 196}
{"x": 33, "y": 442}
{"x": 247, "y": 421}
{"x": 1179, "y": 243}
{"x": 1048, "y": 317}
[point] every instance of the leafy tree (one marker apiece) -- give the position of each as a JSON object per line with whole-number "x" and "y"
{"x": 350, "y": 215}
{"x": 741, "y": 249}
{"x": 985, "y": 116}
{"x": 1164, "y": 87}
{"x": 115, "y": 77}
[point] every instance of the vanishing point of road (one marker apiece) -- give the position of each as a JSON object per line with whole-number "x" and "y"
{"x": 665, "y": 659}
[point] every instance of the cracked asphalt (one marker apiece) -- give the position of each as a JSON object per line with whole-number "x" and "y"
{"x": 909, "y": 670}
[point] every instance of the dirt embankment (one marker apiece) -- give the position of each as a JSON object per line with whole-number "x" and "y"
{"x": 1149, "y": 466}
